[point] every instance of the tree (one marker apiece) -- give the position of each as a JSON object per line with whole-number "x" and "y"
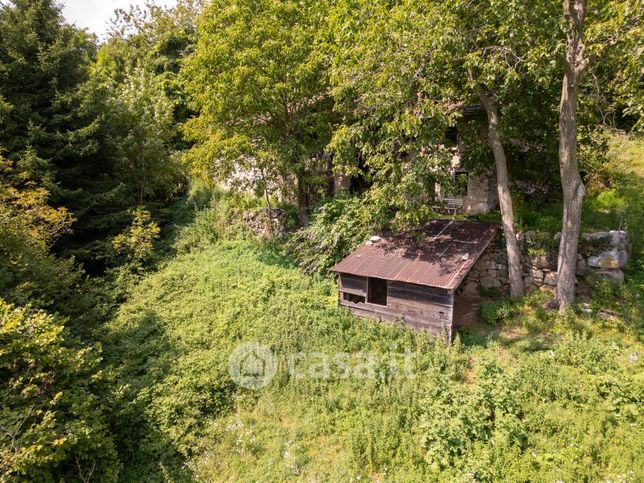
{"x": 259, "y": 82}
{"x": 394, "y": 116}
{"x": 157, "y": 39}
{"x": 572, "y": 185}
{"x": 42, "y": 63}
{"x": 54, "y": 128}
{"x": 515, "y": 276}
{"x": 404, "y": 69}
{"x": 141, "y": 131}
{"x": 95, "y": 133}
{"x": 612, "y": 93}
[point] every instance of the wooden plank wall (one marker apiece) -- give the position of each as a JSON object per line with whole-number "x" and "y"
{"x": 353, "y": 284}
{"x": 421, "y": 307}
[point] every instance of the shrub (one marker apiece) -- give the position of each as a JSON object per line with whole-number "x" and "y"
{"x": 218, "y": 215}
{"x": 52, "y": 424}
{"x": 454, "y": 421}
{"x": 541, "y": 244}
{"x": 30, "y": 274}
{"x": 337, "y": 228}
{"x": 496, "y": 312}
{"x": 136, "y": 244}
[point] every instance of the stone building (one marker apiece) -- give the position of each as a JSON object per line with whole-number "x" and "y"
{"x": 471, "y": 193}
{"x": 477, "y": 193}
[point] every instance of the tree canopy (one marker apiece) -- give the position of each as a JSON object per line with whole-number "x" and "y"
{"x": 259, "y": 81}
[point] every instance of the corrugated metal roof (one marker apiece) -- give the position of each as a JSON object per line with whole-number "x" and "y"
{"x": 438, "y": 255}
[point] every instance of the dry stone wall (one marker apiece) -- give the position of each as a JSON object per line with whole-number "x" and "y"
{"x": 602, "y": 255}
{"x": 265, "y": 222}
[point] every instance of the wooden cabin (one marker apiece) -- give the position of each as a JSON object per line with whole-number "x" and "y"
{"x": 413, "y": 276}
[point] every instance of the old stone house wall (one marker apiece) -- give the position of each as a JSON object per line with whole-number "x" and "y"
{"x": 602, "y": 255}
{"x": 481, "y": 194}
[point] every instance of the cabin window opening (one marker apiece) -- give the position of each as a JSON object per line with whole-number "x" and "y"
{"x": 353, "y": 298}
{"x": 377, "y": 291}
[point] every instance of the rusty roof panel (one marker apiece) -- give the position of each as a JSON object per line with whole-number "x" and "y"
{"x": 438, "y": 255}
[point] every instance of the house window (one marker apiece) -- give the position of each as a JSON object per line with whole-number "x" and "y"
{"x": 356, "y": 299}
{"x": 377, "y": 291}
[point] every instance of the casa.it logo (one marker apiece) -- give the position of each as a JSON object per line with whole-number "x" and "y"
{"x": 252, "y": 365}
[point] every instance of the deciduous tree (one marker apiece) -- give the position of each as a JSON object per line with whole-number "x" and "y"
{"x": 259, "y": 82}
{"x": 403, "y": 71}
{"x": 572, "y": 185}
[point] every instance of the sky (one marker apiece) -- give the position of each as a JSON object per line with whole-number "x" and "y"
{"x": 95, "y": 14}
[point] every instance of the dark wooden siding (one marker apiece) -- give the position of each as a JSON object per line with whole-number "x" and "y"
{"x": 353, "y": 284}
{"x": 421, "y": 307}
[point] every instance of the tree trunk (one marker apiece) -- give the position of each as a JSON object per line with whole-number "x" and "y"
{"x": 571, "y": 183}
{"x": 302, "y": 200}
{"x": 505, "y": 201}
{"x": 268, "y": 200}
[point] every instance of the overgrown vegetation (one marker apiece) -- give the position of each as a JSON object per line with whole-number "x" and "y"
{"x": 337, "y": 228}
{"x": 127, "y": 278}
{"x": 497, "y": 408}
{"x": 54, "y": 422}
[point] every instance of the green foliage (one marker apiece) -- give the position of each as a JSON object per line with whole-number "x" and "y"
{"x": 544, "y": 216}
{"x": 42, "y": 63}
{"x": 24, "y": 208}
{"x": 337, "y": 228}
{"x": 137, "y": 243}
{"x": 618, "y": 202}
{"x": 614, "y": 89}
{"x": 98, "y": 145}
{"x": 217, "y": 216}
{"x": 53, "y": 427}
{"x": 623, "y": 299}
{"x": 497, "y": 312}
{"x": 28, "y": 227}
{"x": 141, "y": 131}
{"x": 157, "y": 39}
{"x": 400, "y": 75}
{"x": 284, "y": 94}
{"x": 541, "y": 243}
{"x": 489, "y": 411}
{"x": 258, "y": 80}
{"x": 489, "y": 414}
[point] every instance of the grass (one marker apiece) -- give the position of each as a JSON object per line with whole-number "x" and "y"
{"x": 613, "y": 199}
{"x": 510, "y": 403}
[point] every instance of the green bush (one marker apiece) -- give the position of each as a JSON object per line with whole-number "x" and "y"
{"x": 542, "y": 244}
{"x": 53, "y": 426}
{"x": 218, "y": 215}
{"x": 496, "y": 312}
{"x": 337, "y": 228}
{"x": 136, "y": 244}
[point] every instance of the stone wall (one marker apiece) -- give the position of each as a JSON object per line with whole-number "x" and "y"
{"x": 602, "y": 255}
{"x": 481, "y": 195}
{"x": 341, "y": 183}
{"x": 265, "y": 222}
